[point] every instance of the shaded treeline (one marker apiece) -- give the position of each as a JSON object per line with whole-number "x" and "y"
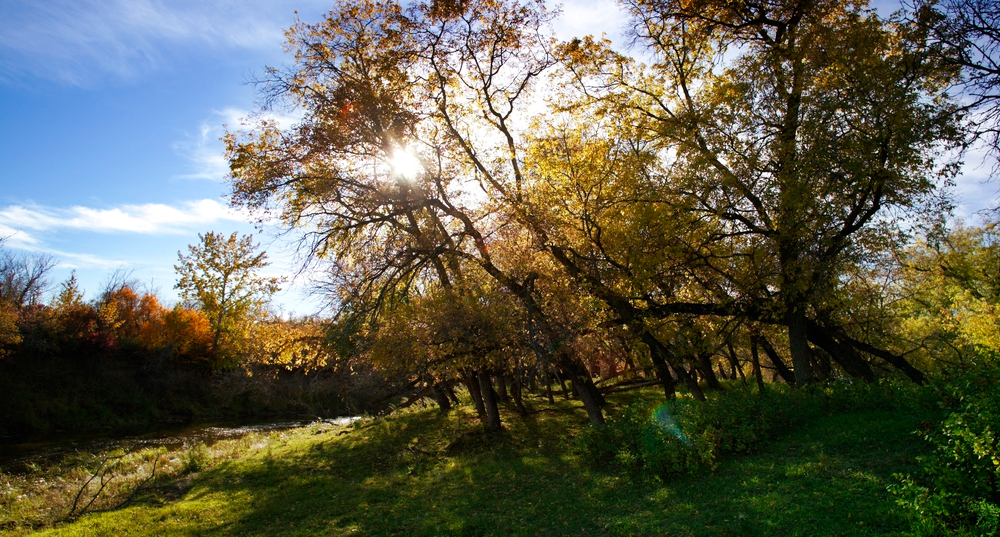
{"x": 124, "y": 359}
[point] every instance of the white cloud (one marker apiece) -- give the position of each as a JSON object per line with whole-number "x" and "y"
{"x": 16, "y": 237}
{"x": 150, "y": 218}
{"x": 81, "y": 261}
{"x": 205, "y": 150}
{"x": 76, "y": 41}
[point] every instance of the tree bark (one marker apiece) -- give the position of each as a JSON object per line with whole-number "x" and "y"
{"x": 516, "y": 396}
{"x": 821, "y": 364}
{"x": 472, "y": 383}
{"x": 441, "y": 397}
{"x": 735, "y": 362}
{"x": 757, "y": 373}
{"x": 489, "y": 402}
{"x": 502, "y": 388}
{"x": 659, "y": 351}
{"x": 590, "y": 402}
{"x": 451, "y": 393}
{"x": 897, "y": 361}
{"x": 844, "y": 355}
{"x": 706, "y": 369}
{"x": 779, "y": 365}
{"x": 798, "y": 345}
{"x": 562, "y": 382}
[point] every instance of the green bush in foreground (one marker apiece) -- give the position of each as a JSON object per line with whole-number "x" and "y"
{"x": 959, "y": 485}
{"x": 684, "y": 436}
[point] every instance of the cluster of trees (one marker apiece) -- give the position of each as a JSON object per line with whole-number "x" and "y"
{"x": 223, "y": 319}
{"x": 498, "y": 208}
{"x": 123, "y": 357}
{"x": 763, "y": 198}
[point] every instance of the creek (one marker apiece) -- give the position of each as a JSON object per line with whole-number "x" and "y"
{"x": 18, "y": 453}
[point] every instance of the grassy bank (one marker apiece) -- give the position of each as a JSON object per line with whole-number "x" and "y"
{"x": 424, "y": 473}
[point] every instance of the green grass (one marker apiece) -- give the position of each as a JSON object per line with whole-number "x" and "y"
{"x": 424, "y": 473}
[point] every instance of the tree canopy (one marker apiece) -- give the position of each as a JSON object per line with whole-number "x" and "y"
{"x": 221, "y": 276}
{"x": 744, "y": 180}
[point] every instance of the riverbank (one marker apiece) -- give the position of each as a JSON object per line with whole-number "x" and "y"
{"x": 421, "y": 472}
{"x": 48, "y": 449}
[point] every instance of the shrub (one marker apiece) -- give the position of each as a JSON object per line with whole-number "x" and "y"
{"x": 682, "y": 436}
{"x": 958, "y": 487}
{"x": 196, "y": 458}
{"x": 647, "y": 437}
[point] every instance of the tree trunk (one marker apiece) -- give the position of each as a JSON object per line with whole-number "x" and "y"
{"x": 490, "y": 402}
{"x": 661, "y": 356}
{"x": 451, "y": 393}
{"x": 897, "y": 361}
{"x": 562, "y": 382}
{"x": 590, "y": 403}
{"x": 844, "y": 355}
{"x": 441, "y": 397}
{"x": 821, "y": 364}
{"x": 779, "y": 364}
{"x": 735, "y": 363}
{"x": 595, "y": 392}
{"x": 548, "y": 388}
{"x": 502, "y": 391}
{"x": 757, "y": 373}
{"x": 798, "y": 345}
{"x": 472, "y": 383}
{"x": 515, "y": 395}
{"x": 706, "y": 370}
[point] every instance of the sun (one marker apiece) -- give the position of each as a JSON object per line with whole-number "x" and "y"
{"x": 405, "y": 164}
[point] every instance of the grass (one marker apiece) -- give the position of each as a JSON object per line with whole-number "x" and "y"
{"x": 421, "y": 472}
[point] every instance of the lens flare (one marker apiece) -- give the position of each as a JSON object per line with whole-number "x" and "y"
{"x": 667, "y": 423}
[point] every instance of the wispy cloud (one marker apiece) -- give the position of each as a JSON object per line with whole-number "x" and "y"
{"x": 205, "y": 151}
{"x": 150, "y": 218}
{"x": 71, "y": 260}
{"x": 16, "y": 237}
{"x": 77, "y": 41}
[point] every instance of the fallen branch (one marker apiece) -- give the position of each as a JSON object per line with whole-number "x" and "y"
{"x": 105, "y": 480}
{"x": 103, "y": 466}
{"x": 142, "y": 486}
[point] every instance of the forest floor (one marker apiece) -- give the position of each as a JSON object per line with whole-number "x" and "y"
{"x": 422, "y": 472}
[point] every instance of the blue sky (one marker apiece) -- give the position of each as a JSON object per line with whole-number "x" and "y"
{"x": 110, "y": 114}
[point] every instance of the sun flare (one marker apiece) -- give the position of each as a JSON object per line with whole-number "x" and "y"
{"x": 405, "y": 164}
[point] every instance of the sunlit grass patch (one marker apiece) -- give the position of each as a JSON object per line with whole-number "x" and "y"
{"x": 421, "y": 472}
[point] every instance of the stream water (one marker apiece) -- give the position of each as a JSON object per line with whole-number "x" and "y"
{"x": 15, "y": 453}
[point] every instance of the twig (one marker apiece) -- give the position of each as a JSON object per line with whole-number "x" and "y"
{"x": 97, "y": 472}
{"x": 142, "y": 486}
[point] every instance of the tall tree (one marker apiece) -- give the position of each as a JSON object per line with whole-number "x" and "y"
{"x": 800, "y": 130}
{"x": 221, "y": 276}
{"x": 409, "y": 155}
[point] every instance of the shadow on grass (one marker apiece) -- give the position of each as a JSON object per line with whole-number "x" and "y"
{"x": 396, "y": 477}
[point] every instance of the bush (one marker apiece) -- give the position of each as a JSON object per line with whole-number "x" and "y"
{"x": 958, "y": 487}
{"x": 645, "y": 437}
{"x": 196, "y": 458}
{"x": 683, "y": 435}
